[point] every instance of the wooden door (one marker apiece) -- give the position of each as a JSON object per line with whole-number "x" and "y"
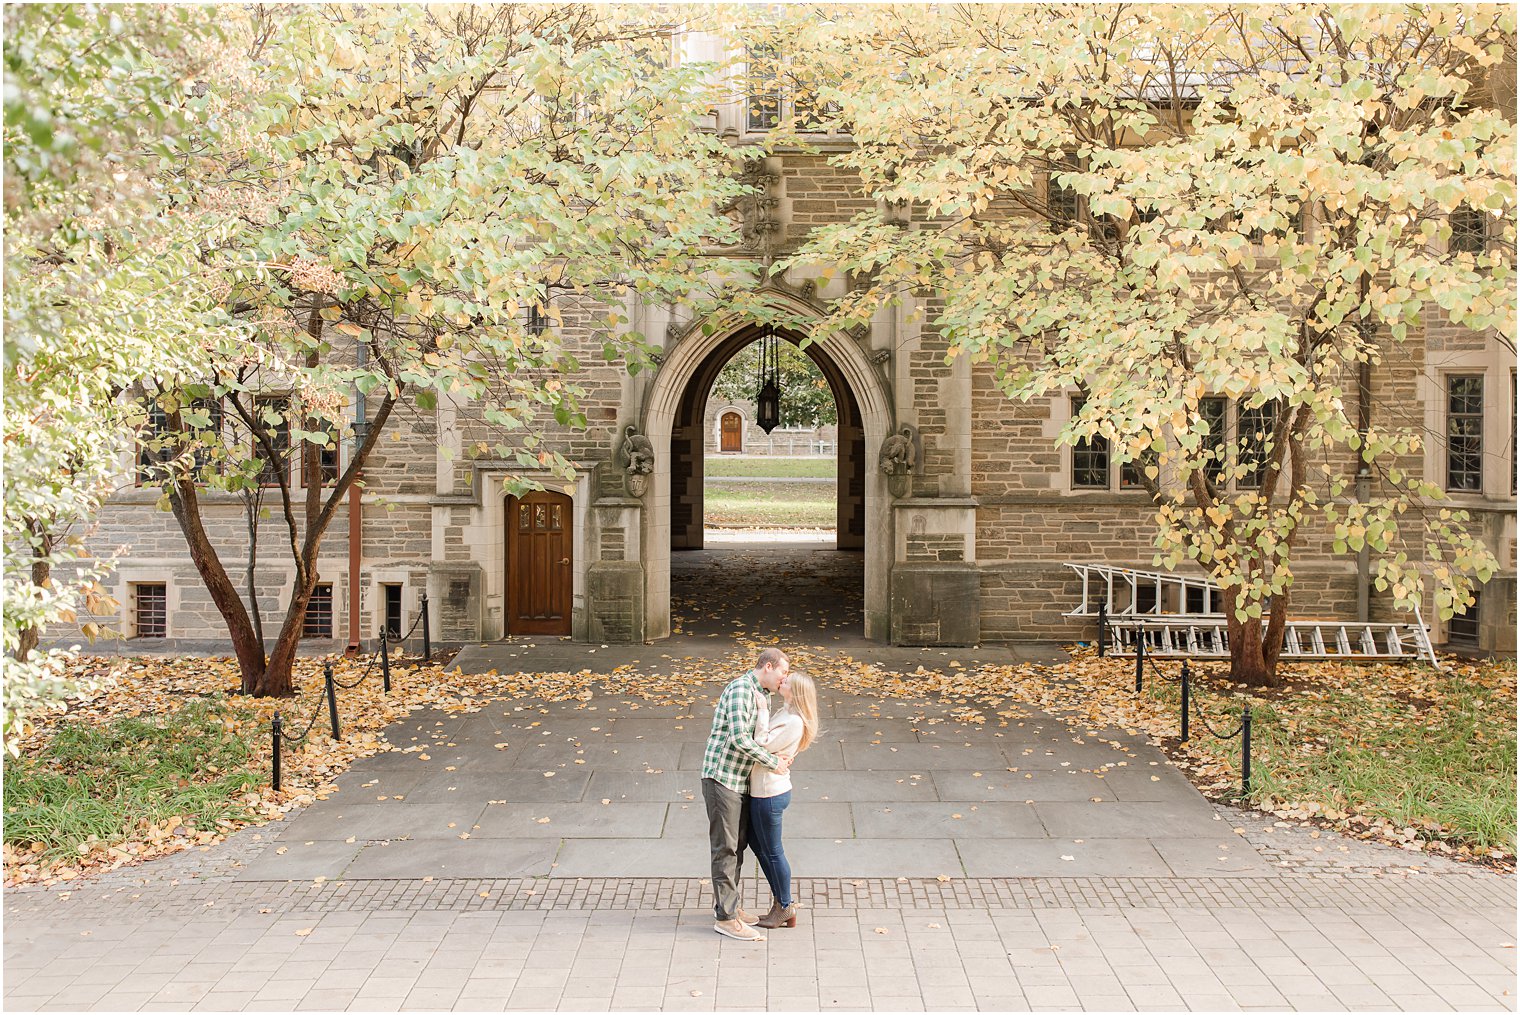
{"x": 538, "y": 563}
{"x": 732, "y": 429}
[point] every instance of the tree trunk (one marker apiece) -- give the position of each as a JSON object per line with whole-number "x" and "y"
{"x": 282, "y": 659}
{"x": 251, "y": 506}
{"x": 1253, "y": 650}
{"x": 41, "y": 572}
{"x": 245, "y": 645}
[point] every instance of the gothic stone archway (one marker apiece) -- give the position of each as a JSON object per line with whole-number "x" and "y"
{"x": 688, "y": 436}
{"x": 673, "y": 421}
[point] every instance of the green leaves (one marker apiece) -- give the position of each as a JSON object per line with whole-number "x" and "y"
{"x": 1245, "y": 241}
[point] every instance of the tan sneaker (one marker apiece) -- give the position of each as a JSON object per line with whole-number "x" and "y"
{"x": 738, "y": 931}
{"x": 747, "y": 918}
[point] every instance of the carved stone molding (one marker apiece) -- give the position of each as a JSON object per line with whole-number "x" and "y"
{"x": 898, "y": 457}
{"x": 757, "y": 211}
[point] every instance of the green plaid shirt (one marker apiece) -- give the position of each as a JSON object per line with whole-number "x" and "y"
{"x": 731, "y": 748}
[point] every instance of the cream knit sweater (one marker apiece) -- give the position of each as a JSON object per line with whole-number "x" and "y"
{"x": 780, "y": 735}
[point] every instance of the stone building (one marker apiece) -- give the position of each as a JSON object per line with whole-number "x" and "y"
{"x": 732, "y": 430}
{"x": 965, "y": 547}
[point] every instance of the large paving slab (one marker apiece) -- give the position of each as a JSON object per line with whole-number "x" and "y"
{"x": 891, "y": 789}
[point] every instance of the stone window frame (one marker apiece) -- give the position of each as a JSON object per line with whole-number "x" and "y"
{"x": 785, "y": 96}
{"x": 1086, "y": 448}
{"x": 1267, "y": 414}
{"x": 1117, "y": 480}
{"x": 127, "y": 578}
{"x": 1465, "y": 629}
{"x": 329, "y": 459}
{"x": 1470, "y": 231}
{"x": 1496, "y": 366}
{"x": 1474, "y": 473}
{"x": 411, "y": 597}
{"x": 144, "y": 459}
{"x": 329, "y": 602}
{"x": 160, "y": 609}
{"x": 267, "y": 477}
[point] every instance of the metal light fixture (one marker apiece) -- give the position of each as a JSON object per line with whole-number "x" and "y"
{"x": 768, "y": 394}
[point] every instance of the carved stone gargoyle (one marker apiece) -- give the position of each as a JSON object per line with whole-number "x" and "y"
{"x": 636, "y": 458}
{"x": 899, "y": 454}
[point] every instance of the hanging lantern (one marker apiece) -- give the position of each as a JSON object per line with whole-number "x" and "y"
{"x": 768, "y": 394}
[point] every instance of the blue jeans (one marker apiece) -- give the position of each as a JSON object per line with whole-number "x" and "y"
{"x": 765, "y": 839}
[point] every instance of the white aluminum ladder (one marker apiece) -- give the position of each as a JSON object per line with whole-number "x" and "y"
{"x": 1174, "y": 631}
{"x": 1168, "y": 592}
{"x": 1207, "y": 638}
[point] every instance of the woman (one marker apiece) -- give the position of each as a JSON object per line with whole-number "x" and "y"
{"x": 788, "y": 733}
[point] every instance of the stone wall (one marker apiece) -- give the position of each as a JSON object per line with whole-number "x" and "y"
{"x": 822, "y": 440}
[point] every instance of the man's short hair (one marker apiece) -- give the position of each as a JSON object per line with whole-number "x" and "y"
{"x": 772, "y": 657}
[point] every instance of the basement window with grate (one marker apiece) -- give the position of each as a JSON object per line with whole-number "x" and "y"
{"x": 319, "y": 613}
{"x": 1462, "y": 628}
{"x": 150, "y": 610}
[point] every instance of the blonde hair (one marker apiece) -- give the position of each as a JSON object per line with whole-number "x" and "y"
{"x": 805, "y": 704}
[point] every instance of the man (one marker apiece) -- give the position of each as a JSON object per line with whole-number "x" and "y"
{"x": 731, "y": 753}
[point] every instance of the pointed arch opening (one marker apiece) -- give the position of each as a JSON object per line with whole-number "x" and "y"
{"x": 674, "y": 420}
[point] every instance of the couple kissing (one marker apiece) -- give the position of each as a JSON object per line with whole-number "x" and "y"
{"x": 747, "y": 785}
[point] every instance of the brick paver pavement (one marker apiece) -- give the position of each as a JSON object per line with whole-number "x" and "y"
{"x": 1302, "y": 941}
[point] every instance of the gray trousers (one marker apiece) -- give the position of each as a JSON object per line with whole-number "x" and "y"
{"x": 728, "y": 833}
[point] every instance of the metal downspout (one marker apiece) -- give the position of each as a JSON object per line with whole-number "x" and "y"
{"x": 1363, "y": 488}
{"x": 356, "y": 516}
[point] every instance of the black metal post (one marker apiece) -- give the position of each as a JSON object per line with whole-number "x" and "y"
{"x": 1245, "y": 753}
{"x": 1139, "y": 654}
{"x": 385, "y": 661}
{"x": 1102, "y": 629}
{"x": 275, "y": 730}
{"x": 1186, "y": 699}
{"x": 332, "y": 700}
{"x": 427, "y": 634}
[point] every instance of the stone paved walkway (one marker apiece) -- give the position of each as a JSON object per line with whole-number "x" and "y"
{"x": 612, "y": 788}
{"x": 361, "y": 903}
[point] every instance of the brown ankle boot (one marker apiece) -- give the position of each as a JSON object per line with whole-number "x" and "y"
{"x": 779, "y": 916}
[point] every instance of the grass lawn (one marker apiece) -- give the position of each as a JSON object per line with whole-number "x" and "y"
{"x": 1427, "y": 752}
{"x": 784, "y": 505}
{"x": 771, "y": 465}
{"x": 149, "y": 777}
{"x": 1398, "y": 752}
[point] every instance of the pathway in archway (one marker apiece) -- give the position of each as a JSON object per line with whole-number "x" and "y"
{"x": 794, "y": 586}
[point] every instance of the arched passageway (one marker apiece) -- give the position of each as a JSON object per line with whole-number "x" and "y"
{"x": 789, "y": 585}
{"x": 674, "y": 421}
{"x": 688, "y": 441}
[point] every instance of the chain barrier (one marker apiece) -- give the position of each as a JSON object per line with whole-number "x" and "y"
{"x": 330, "y": 684}
{"x": 1191, "y": 707}
{"x": 383, "y": 650}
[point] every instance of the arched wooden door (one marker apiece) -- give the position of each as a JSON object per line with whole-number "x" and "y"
{"x": 539, "y": 572}
{"x": 731, "y": 427}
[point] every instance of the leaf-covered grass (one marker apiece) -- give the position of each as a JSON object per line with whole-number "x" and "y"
{"x": 114, "y": 782}
{"x": 784, "y": 505}
{"x": 1441, "y": 757}
{"x": 1429, "y": 752}
{"x": 718, "y": 466}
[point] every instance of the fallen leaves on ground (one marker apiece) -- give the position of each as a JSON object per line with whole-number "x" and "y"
{"x": 1094, "y": 696}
